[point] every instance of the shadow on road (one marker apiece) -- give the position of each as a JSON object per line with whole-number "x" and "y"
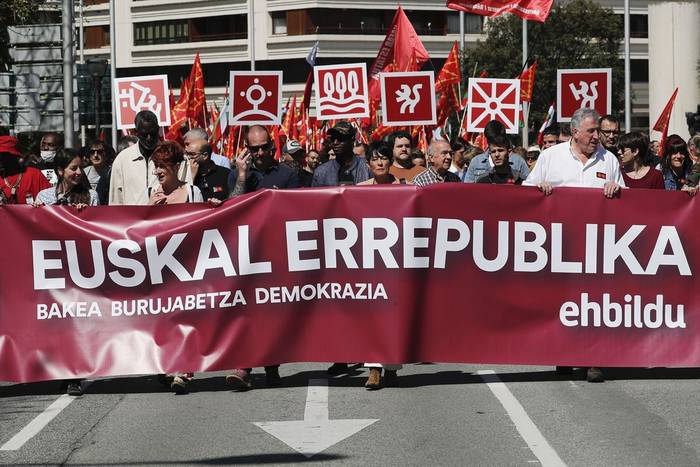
{"x": 354, "y": 378}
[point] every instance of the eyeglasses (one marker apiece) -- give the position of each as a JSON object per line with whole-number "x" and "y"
{"x": 190, "y": 155}
{"x": 531, "y": 158}
{"x": 610, "y": 132}
{"x": 264, "y": 147}
{"x": 96, "y": 151}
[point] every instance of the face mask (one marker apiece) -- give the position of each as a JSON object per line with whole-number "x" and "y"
{"x": 48, "y": 156}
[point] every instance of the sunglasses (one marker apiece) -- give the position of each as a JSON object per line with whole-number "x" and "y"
{"x": 264, "y": 147}
{"x": 530, "y": 158}
{"x": 339, "y": 137}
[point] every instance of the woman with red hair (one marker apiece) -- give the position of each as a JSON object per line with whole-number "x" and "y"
{"x": 167, "y": 157}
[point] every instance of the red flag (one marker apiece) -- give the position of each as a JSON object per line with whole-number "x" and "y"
{"x": 381, "y": 131}
{"x": 307, "y": 89}
{"x": 451, "y": 72}
{"x": 536, "y": 10}
{"x": 178, "y": 113}
{"x": 662, "y": 123}
{"x": 402, "y": 50}
{"x": 423, "y": 141}
{"x": 480, "y": 142}
{"x": 278, "y": 142}
{"x": 197, "y": 107}
{"x": 286, "y": 129}
{"x": 527, "y": 83}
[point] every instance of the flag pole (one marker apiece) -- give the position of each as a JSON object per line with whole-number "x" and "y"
{"x": 251, "y": 33}
{"x": 628, "y": 92}
{"x": 525, "y": 104}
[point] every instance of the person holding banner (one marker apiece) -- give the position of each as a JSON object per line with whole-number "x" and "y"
{"x": 439, "y": 161}
{"x": 676, "y": 163}
{"x": 581, "y": 163}
{"x": 637, "y": 170}
{"x": 379, "y": 158}
{"x": 256, "y": 168}
{"x": 72, "y": 187}
{"x": 167, "y": 157}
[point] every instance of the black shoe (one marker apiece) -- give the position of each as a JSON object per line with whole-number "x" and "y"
{"x": 179, "y": 385}
{"x": 594, "y": 375}
{"x": 564, "y": 370}
{"x": 338, "y": 369}
{"x": 272, "y": 377}
{"x": 390, "y": 379}
{"x": 74, "y": 389}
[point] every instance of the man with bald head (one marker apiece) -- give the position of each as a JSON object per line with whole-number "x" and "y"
{"x": 199, "y": 136}
{"x": 439, "y": 162}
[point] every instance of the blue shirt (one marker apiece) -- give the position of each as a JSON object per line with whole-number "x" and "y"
{"x": 277, "y": 176}
{"x": 671, "y": 182}
{"x": 480, "y": 166}
{"x": 326, "y": 174}
{"x": 220, "y": 160}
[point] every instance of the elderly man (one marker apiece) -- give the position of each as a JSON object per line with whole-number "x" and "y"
{"x": 346, "y": 168}
{"x": 609, "y": 132}
{"x": 439, "y": 162}
{"x": 198, "y": 135}
{"x": 582, "y": 162}
{"x": 210, "y": 178}
{"x": 482, "y": 164}
{"x": 133, "y": 171}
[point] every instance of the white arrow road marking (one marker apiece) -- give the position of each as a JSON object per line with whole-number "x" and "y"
{"x": 316, "y": 432}
{"x": 523, "y": 423}
{"x": 38, "y": 424}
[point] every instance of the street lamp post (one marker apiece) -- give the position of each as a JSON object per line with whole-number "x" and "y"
{"x": 97, "y": 67}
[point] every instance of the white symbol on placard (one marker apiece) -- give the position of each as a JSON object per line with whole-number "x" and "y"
{"x": 128, "y": 99}
{"x": 341, "y": 85}
{"x": 493, "y": 105}
{"x": 588, "y": 101}
{"x": 256, "y": 95}
{"x": 403, "y": 97}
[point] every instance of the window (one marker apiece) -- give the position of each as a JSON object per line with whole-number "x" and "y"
{"x": 473, "y": 24}
{"x": 96, "y": 36}
{"x": 639, "y": 26}
{"x": 279, "y": 22}
{"x": 192, "y": 30}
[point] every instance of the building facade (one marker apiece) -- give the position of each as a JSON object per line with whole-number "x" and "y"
{"x": 162, "y": 36}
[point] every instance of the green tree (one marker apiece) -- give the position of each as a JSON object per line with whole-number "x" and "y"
{"x": 13, "y": 12}
{"x": 577, "y": 34}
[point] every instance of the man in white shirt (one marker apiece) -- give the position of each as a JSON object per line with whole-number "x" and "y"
{"x": 133, "y": 171}
{"x": 581, "y": 162}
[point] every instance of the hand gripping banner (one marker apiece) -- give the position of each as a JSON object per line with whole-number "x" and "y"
{"x": 449, "y": 273}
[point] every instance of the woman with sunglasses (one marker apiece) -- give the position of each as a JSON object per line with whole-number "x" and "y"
{"x": 676, "y": 164}
{"x": 636, "y": 162}
{"x": 99, "y": 158}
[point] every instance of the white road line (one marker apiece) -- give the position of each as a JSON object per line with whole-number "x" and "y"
{"x": 523, "y": 423}
{"x": 38, "y": 424}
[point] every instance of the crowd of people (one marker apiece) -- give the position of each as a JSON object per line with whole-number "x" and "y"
{"x": 144, "y": 170}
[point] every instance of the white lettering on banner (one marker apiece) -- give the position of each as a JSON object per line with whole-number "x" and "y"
{"x": 327, "y": 291}
{"x": 67, "y": 310}
{"x": 535, "y": 247}
{"x": 611, "y": 314}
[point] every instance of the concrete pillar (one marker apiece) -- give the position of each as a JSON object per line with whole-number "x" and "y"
{"x": 674, "y": 52}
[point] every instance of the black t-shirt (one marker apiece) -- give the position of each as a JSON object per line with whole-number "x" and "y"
{"x": 212, "y": 181}
{"x": 509, "y": 178}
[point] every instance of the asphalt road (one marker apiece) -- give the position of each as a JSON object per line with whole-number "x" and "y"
{"x": 439, "y": 415}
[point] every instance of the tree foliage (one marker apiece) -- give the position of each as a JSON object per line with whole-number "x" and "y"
{"x": 577, "y": 34}
{"x": 13, "y": 12}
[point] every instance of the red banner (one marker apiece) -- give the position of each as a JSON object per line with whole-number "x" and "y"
{"x": 536, "y": 10}
{"x": 449, "y": 273}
